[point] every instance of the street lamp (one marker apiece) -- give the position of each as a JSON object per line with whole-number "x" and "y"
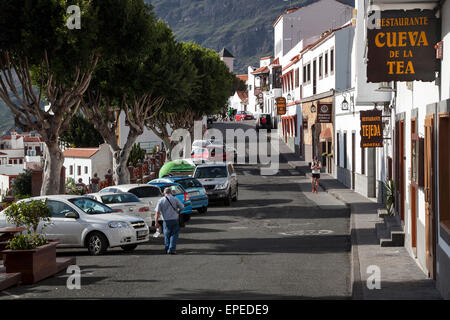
{"x": 344, "y": 105}
{"x": 289, "y": 97}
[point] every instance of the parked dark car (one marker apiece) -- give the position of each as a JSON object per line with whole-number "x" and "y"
{"x": 264, "y": 121}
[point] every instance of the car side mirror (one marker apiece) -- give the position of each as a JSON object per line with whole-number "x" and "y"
{"x": 72, "y": 215}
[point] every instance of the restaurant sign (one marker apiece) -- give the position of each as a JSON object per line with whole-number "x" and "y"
{"x": 371, "y": 129}
{"x": 401, "y": 46}
{"x": 324, "y": 113}
{"x": 281, "y": 105}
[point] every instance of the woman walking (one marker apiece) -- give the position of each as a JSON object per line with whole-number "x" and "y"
{"x": 316, "y": 165}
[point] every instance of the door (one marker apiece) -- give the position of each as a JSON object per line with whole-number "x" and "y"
{"x": 66, "y": 230}
{"x": 400, "y": 169}
{"x": 413, "y": 185}
{"x": 353, "y": 161}
{"x": 430, "y": 223}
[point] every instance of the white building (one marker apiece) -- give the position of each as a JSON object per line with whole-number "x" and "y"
{"x": 304, "y": 22}
{"x": 228, "y": 58}
{"x": 416, "y": 154}
{"x": 84, "y": 162}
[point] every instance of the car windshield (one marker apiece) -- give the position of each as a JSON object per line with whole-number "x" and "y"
{"x": 190, "y": 183}
{"x": 119, "y": 198}
{"x": 91, "y": 206}
{"x": 211, "y": 172}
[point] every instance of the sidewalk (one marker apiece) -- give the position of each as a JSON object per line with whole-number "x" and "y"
{"x": 401, "y": 277}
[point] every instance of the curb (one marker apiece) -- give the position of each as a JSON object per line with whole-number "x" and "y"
{"x": 356, "y": 289}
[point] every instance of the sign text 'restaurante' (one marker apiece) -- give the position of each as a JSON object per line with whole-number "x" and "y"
{"x": 401, "y": 46}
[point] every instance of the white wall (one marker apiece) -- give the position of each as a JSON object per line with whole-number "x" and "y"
{"x": 312, "y": 20}
{"x": 146, "y": 139}
{"x": 4, "y": 185}
{"x": 75, "y": 162}
{"x": 101, "y": 162}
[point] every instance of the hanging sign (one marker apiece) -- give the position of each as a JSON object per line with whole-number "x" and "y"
{"x": 371, "y": 129}
{"x": 324, "y": 113}
{"x": 281, "y": 105}
{"x": 401, "y": 46}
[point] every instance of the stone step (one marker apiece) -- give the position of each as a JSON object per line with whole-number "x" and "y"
{"x": 382, "y": 212}
{"x": 8, "y": 280}
{"x": 63, "y": 262}
{"x": 392, "y": 222}
{"x": 382, "y": 231}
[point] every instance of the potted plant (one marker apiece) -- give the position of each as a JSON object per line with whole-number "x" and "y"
{"x": 30, "y": 254}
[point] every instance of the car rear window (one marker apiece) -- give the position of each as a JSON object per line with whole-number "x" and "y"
{"x": 210, "y": 172}
{"x": 119, "y": 198}
{"x": 146, "y": 192}
{"x": 190, "y": 183}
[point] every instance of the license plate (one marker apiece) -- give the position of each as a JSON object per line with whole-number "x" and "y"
{"x": 195, "y": 193}
{"x": 142, "y": 233}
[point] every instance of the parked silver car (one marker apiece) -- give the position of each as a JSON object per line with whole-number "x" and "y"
{"x": 148, "y": 194}
{"x": 219, "y": 180}
{"x": 78, "y": 221}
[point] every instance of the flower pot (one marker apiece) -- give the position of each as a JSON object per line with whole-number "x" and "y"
{"x": 34, "y": 265}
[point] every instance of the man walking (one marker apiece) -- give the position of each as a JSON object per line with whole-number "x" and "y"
{"x": 315, "y": 169}
{"x": 169, "y": 208}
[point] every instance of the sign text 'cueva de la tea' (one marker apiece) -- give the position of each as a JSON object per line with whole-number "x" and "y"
{"x": 401, "y": 46}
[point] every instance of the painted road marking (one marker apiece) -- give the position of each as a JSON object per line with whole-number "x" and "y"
{"x": 306, "y": 232}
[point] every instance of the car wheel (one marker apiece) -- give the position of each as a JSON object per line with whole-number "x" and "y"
{"x": 227, "y": 201}
{"x": 235, "y": 198}
{"x": 96, "y": 243}
{"x": 202, "y": 210}
{"x": 129, "y": 247}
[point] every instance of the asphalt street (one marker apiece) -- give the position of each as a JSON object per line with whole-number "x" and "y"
{"x": 278, "y": 241}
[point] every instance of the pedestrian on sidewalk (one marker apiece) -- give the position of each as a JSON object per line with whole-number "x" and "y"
{"x": 316, "y": 165}
{"x": 169, "y": 208}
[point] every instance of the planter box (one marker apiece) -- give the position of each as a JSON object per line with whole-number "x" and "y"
{"x": 34, "y": 265}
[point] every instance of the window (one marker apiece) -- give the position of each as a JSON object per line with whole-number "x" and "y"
{"x": 91, "y": 206}
{"x": 297, "y": 78}
{"x": 326, "y": 64}
{"x": 363, "y": 160}
{"x": 85, "y": 170}
{"x": 120, "y": 198}
{"x": 146, "y": 192}
{"x": 79, "y": 170}
{"x": 320, "y": 67}
{"x": 308, "y": 72}
{"x": 338, "y": 149}
{"x": 332, "y": 60}
{"x": 71, "y": 170}
{"x": 304, "y": 74}
{"x": 58, "y": 209}
{"x": 345, "y": 150}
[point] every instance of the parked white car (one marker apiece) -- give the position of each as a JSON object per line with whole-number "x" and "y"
{"x": 148, "y": 194}
{"x": 78, "y": 221}
{"x": 122, "y": 203}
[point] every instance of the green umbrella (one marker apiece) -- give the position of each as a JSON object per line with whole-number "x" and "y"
{"x": 179, "y": 165}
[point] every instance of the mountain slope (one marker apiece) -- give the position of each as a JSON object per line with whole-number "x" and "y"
{"x": 244, "y": 27}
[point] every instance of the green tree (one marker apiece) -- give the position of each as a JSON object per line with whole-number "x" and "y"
{"x": 138, "y": 85}
{"x": 211, "y": 85}
{"x": 52, "y": 62}
{"x": 136, "y": 154}
{"x": 81, "y": 133}
{"x": 22, "y": 185}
